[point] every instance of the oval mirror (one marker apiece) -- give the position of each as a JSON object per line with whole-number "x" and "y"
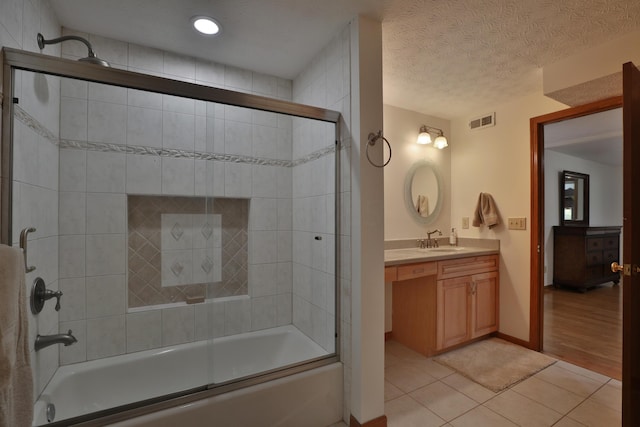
{"x": 423, "y": 192}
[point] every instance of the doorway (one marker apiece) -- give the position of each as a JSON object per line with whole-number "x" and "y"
{"x": 541, "y": 238}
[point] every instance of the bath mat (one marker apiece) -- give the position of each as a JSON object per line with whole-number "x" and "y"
{"x": 494, "y": 363}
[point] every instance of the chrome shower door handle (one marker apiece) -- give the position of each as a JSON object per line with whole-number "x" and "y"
{"x": 23, "y": 245}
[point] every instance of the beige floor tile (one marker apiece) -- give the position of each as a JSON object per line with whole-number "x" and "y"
{"x": 391, "y": 391}
{"x": 407, "y": 377}
{"x": 568, "y": 422}
{"x": 522, "y": 410}
{"x": 443, "y": 400}
{"x": 550, "y": 395}
{"x": 593, "y": 414}
{"x": 482, "y": 417}
{"x": 391, "y": 359}
{"x": 406, "y": 412}
{"x": 400, "y": 351}
{"x": 569, "y": 380}
{"x": 610, "y": 395}
{"x": 582, "y": 371}
{"x": 340, "y": 424}
{"x": 469, "y": 388}
{"x": 433, "y": 368}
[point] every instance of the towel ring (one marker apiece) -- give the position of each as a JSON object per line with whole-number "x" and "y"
{"x": 373, "y": 138}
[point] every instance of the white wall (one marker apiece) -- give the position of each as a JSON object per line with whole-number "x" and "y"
{"x": 497, "y": 160}
{"x": 605, "y": 202}
{"x": 401, "y": 128}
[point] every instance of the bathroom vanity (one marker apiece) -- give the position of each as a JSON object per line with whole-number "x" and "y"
{"x": 442, "y": 297}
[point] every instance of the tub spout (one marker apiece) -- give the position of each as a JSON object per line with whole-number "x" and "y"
{"x": 43, "y": 341}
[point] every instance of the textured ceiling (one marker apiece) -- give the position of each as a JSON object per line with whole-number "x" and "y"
{"x": 447, "y": 58}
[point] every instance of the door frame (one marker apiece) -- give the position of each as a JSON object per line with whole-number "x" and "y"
{"x": 536, "y": 307}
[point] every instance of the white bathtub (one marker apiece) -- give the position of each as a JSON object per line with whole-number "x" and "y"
{"x": 106, "y": 383}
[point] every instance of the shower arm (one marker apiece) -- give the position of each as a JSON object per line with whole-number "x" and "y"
{"x": 42, "y": 42}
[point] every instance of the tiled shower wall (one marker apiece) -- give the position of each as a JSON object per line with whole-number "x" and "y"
{"x": 116, "y": 142}
{"x": 35, "y": 183}
{"x": 326, "y": 83}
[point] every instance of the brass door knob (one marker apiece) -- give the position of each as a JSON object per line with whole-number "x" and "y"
{"x": 615, "y": 267}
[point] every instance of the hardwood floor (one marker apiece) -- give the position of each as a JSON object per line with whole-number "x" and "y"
{"x": 585, "y": 328}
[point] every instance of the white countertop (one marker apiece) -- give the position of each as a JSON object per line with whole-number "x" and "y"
{"x": 410, "y": 255}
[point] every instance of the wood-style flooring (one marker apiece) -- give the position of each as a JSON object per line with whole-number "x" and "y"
{"x": 585, "y": 329}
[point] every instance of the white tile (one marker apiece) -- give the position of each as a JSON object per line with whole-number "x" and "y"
{"x": 144, "y": 330}
{"x": 107, "y": 172}
{"x": 207, "y": 265}
{"x": 261, "y": 247}
{"x": 285, "y": 277}
{"x": 144, "y": 174}
{"x": 408, "y": 377}
{"x": 263, "y": 214}
{"x": 106, "y": 254}
{"x": 178, "y": 176}
{"x": 284, "y": 309}
{"x": 265, "y": 85}
{"x": 106, "y": 336}
{"x": 443, "y": 400}
{"x": 73, "y": 301}
{"x": 76, "y": 352}
{"x": 319, "y": 285}
{"x": 284, "y": 181}
{"x": 145, "y": 58}
{"x": 72, "y": 256}
{"x": 106, "y": 295}
{"x": 238, "y": 78}
{"x": 178, "y": 131}
{"x": 237, "y": 180}
{"x": 284, "y": 246}
{"x": 215, "y": 135}
{"x": 74, "y": 88}
{"x": 107, "y": 122}
{"x": 176, "y": 231}
{"x": 285, "y": 218}
{"x": 200, "y": 144}
{"x": 73, "y": 119}
{"x": 210, "y": 72}
{"x": 113, "y": 51}
{"x": 176, "y": 267}
{"x": 73, "y": 170}
{"x": 144, "y": 127}
{"x": 319, "y": 325}
{"x": 209, "y": 178}
{"x": 482, "y": 417}
{"x": 473, "y": 390}
{"x": 179, "y": 65}
{"x": 178, "y": 104}
{"x": 72, "y": 212}
{"x": 238, "y": 138}
{"x": 237, "y": 316}
{"x": 106, "y": 213}
{"x": 203, "y": 321}
{"x": 178, "y": 325}
{"x": 548, "y": 394}
{"x": 107, "y": 93}
{"x": 302, "y": 315}
{"x": 264, "y": 181}
{"x": 217, "y": 319}
{"x": 302, "y": 281}
{"x": 263, "y": 312}
{"x": 11, "y": 18}
{"x": 568, "y": 380}
{"x": 263, "y": 279}
{"x": 207, "y": 231}
{"x": 144, "y": 99}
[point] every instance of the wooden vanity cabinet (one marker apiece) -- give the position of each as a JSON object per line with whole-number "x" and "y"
{"x": 440, "y": 304}
{"x": 467, "y": 304}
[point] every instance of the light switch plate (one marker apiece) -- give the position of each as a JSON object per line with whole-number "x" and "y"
{"x": 465, "y": 222}
{"x": 518, "y": 223}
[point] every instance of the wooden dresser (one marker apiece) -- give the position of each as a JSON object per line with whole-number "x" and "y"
{"x": 582, "y": 256}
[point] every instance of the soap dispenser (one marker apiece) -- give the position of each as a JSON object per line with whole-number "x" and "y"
{"x": 453, "y": 238}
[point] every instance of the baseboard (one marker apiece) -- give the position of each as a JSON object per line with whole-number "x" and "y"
{"x": 388, "y": 336}
{"x": 513, "y": 340}
{"x": 376, "y": 422}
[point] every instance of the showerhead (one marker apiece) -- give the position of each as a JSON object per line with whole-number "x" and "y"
{"x": 91, "y": 57}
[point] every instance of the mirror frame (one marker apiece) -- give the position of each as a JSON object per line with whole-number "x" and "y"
{"x": 569, "y": 176}
{"x": 408, "y": 198}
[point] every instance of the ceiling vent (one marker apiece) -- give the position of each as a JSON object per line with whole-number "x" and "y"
{"x": 483, "y": 121}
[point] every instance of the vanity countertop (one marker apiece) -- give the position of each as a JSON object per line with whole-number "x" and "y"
{"x": 411, "y": 255}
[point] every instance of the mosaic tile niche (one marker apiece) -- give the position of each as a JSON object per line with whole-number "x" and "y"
{"x": 182, "y": 248}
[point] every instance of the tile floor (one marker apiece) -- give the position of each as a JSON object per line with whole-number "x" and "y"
{"x": 421, "y": 392}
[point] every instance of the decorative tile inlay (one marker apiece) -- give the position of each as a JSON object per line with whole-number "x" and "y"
{"x": 199, "y": 235}
{"x": 177, "y": 231}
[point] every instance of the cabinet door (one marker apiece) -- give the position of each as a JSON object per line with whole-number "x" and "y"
{"x": 484, "y": 303}
{"x": 453, "y": 301}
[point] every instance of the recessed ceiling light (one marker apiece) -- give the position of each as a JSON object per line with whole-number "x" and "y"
{"x": 205, "y": 25}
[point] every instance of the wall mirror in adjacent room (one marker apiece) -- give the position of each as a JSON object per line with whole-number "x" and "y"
{"x": 423, "y": 192}
{"x": 574, "y": 198}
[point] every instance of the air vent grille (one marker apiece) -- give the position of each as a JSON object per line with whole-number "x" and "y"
{"x": 483, "y": 121}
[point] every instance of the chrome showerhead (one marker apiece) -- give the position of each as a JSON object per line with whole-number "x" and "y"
{"x": 91, "y": 57}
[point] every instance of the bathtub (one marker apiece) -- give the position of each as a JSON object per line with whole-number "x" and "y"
{"x": 96, "y": 385}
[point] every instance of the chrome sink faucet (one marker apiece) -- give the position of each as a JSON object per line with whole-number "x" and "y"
{"x": 432, "y": 243}
{"x": 43, "y": 341}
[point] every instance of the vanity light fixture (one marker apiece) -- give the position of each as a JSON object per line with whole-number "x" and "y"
{"x": 424, "y": 137}
{"x": 205, "y": 25}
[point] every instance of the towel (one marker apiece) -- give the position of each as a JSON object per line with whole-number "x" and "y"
{"x": 422, "y": 205}
{"x": 486, "y": 212}
{"x": 16, "y": 384}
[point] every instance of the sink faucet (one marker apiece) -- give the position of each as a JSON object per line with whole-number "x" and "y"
{"x": 432, "y": 243}
{"x": 43, "y": 341}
